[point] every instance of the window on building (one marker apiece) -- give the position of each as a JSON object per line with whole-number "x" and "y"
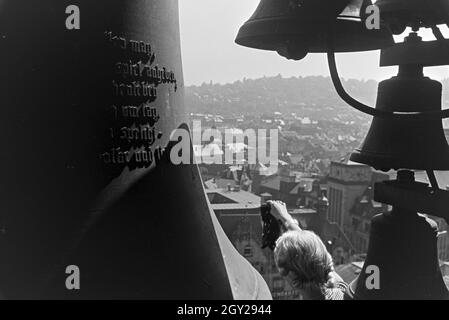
{"x": 355, "y": 223}
{"x": 332, "y": 201}
{"x": 367, "y": 227}
{"x": 248, "y": 251}
{"x": 362, "y": 245}
{"x": 278, "y": 284}
{"x": 335, "y": 203}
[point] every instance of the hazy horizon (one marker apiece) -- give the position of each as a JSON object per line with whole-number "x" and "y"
{"x": 208, "y": 30}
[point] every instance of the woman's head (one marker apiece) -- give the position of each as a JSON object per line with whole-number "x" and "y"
{"x": 302, "y": 257}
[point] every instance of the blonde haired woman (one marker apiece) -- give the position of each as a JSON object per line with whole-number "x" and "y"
{"x": 302, "y": 258}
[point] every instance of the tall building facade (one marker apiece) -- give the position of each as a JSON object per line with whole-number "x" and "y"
{"x": 443, "y": 238}
{"x": 346, "y": 183}
{"x": 364, "y": 209}
{"x": 351, "y": 200}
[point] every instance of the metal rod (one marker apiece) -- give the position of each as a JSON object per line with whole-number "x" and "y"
{"x": 432, "y": 179}
{"x": 419, "y": 116}
{"x": 437, "y": 33}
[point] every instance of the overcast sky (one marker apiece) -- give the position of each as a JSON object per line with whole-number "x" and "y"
{"x": 208, "y": 30}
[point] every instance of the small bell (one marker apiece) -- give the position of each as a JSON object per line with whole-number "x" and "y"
{"x": 404, "y": 144}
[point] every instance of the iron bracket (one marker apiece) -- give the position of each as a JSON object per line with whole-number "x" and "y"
{"x": 415, "y": 196}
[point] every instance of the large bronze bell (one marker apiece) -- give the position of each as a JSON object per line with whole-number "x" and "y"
{"x": 294, "y": 28}
{"x": 76, "y": 189}
{"x": 404, "y": 144}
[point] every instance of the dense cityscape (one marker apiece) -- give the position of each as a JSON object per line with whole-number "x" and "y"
{"x": 323, "y": 190}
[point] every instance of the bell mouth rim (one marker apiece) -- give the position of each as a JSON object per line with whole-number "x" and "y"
{"x": 271, "y": 33}
{"x": 302, "y": 22}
